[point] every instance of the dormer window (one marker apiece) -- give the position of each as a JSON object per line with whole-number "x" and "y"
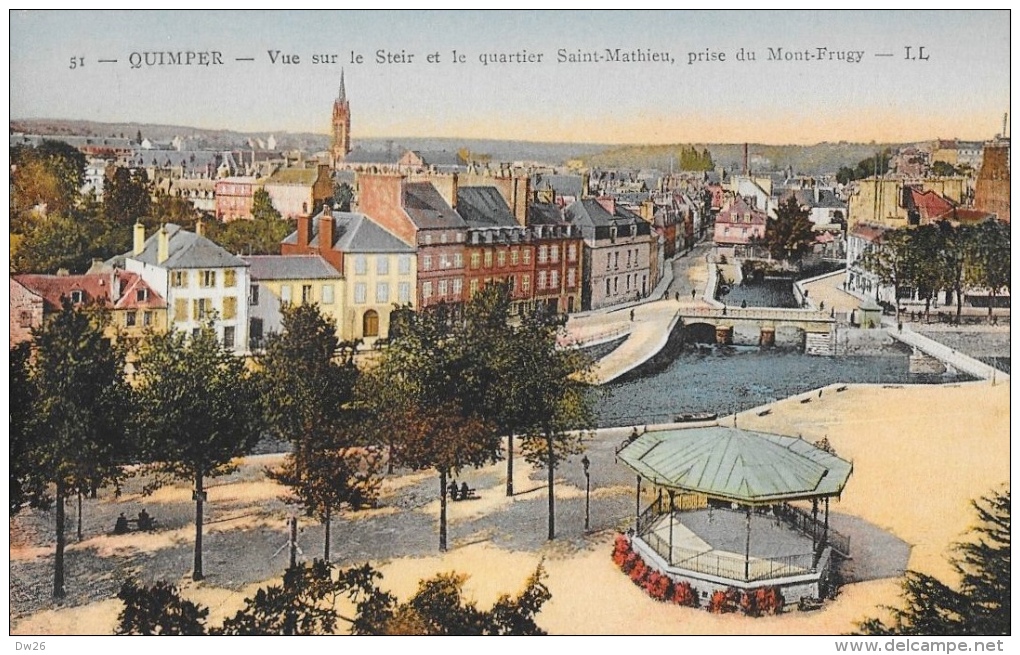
{"x": 141, "y": 295}
{"x": 77, "y": 296}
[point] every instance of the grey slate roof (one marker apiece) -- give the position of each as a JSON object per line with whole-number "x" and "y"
{"x": 544, "y": 213}
{"x": 735, "y": 464}
{"x": 289, "y": 267}
{"x": 360, "y": 155}
{"x": 446, "y": 158}
{"x": 483, "y": 206}
{"x": 187, "y": 250}
{"x": 562, "y": 185}
{"x": 354, "y": 232}
{"x": 428, "y": 209}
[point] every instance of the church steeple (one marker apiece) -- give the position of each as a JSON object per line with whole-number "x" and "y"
{"x": 341, "y": 124}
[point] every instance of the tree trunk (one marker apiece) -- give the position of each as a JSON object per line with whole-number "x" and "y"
{"x": 991, "y": 303}
{"x": 293, "y": 542}
{"x": 389, "y": 458}
{"x": 325, "y": 547}
{"x": 442, "y": 510}
{"x": 959, "y": 303}
{"x": 58, "y": 560}
{"x": 79, "y": 516}
{"x": 199, "y": 490}
{"x": 552, "y": 504}
{"x": 510, "y": 464}
{"x": 927, "y": 310}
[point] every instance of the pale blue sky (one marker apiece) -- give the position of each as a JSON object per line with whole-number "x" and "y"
{"x": 961, "y": 91}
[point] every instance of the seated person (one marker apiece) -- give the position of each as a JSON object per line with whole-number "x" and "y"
{"x": 121, "y": 527}
{"x": 144, "y": 520}
{"x": 464, "y": 491}
{"x": 453, "y": 490}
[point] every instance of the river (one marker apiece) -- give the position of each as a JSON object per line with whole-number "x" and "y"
{"x": 722, "y": 380}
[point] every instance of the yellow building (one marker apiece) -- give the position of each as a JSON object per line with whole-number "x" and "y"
{"x": 278, "y": 280}
{"x": 880, "y": 201}
{"x": 380, "y": 272}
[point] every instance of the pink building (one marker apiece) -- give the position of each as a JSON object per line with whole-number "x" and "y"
{"x": 234, "y": 197}
{"x": 738, "y": 226}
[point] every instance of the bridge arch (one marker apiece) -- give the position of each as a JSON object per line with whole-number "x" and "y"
{"x": 699, "y": 332}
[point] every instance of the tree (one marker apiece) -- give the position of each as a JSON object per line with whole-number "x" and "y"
{"x": 988, "y": 259}
{"x": 790, "y": 234}
{"x": 259, "y": 236}
{"x": 51, "y": 174}
{"x": 307, "y": 381}
{"x": 560, "y": 400}
{"x": 56, "y": 241}
{"x": 195, "y": 415}
{"x": 158, "y": 610}
{"x": 306, "y": 603}
{"x": 890, "y": 260}
{"x": 420, "y": 402}
{"x": 926, "y": 267}
{"x": 343, "y": 195}
{"x": 943, "y": 169}
{"x": 24, "y": 488}
{"x": 75, "y": 437}
{"x": 126, "y": 198}
{"x": 952, "y": 260}
{"x": 981, "y": 605}
{"x": 262, "y": 208}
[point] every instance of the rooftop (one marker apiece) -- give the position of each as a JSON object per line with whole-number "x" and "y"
{"x": 289, "y": 267}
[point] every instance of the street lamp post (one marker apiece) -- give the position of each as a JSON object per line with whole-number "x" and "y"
{"x": 585, "y": 462}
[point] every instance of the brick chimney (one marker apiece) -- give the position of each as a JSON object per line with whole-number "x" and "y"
{"x": 381, "y": 198}
{"x": 304, "y": 230}
{"x": 326, "y": 232}
{"x": 163, "y": 252}
{"x": 139, "y": 244}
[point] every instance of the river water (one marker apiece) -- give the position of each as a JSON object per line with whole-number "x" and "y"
{"x": 740, "y": 378}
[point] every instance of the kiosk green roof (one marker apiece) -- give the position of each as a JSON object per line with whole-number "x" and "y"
{"x": 738, "y": 465}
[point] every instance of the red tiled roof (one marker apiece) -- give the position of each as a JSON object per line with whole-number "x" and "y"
{"x": 872, "y": 233}
{"x": 929, "y": 204}
{"x": 95, "y": 287}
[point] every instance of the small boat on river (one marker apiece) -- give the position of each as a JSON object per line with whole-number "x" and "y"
{"x": 693, "y": 417}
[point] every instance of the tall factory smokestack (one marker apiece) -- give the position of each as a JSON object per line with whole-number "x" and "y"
{"x": 746, "y": 170}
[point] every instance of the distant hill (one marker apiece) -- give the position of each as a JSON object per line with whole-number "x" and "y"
{"x": 821, "y": 158}
{"x": 818, "y": 159}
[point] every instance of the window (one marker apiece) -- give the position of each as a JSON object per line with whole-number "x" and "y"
{"x": 628, "y": 283}
{"x": 442, "y": 237}
{"x": 228, "y": 337}
{"x": 360, "y": 265}
{"x": 458, "y": 286}
{"x": 201, "y": 308}
{"x": 442, "y": 287}
{"x": 404, "y": 264}
{"x": 382, "y": 292}
{"x": 473, "y": 287}
{"x": 207, "y": 279}
{"x": 526, "y": 256}
{"x": 609, "y": 261}
{"x": 554, "y": 253}
{"x": 428, "y": 239}
{"x": 360, "y": 292}
{"x": 130, "y": 319}
{"x": 554, "y": 279}
{"x": 444, "y": 261}
{"x": 229, "y": 278}
{"x": 229, "y": 308}
{"x": 572, "y": 253}
{"x": 458, "y": 260}
{"x": 514, "y": 257}
{"x": 616, "y": 260}
{"x": 370, "y": 324}
{"x": 488, "y": 258}
{"x": 426, "y": 262}
{"x": 426, "y": 290}
{"x": 77, "y": 296}
{"x": 327, "y": 294}
{"x": 404, "y": 292}
{"x": 141, "y": 295}
{"x": 476, "y": 259}
{"x": 285, "y": 293}
{"x": 541, "y": 280}
{"x": 543, "y": 254}
{"x": 571, "y": 278}
{"x": 147, "y": 318}
{"x": 178, "y": 278}
{"x": 501, "y": 258}
{"x": 525, "y": 282}
{"x": 255, "y": 331}
{"x": 629, "y": 254}
{"x": 382, "y": 265}
{"x": 607, "y": 287}
{"x": 253, "y": 297}
{"x": 180, "y": 309}
{"x": 25, "y": 319}
{"x": 616, "y": 285}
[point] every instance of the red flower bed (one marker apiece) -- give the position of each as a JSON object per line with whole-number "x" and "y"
{"x": 684, "y": 594}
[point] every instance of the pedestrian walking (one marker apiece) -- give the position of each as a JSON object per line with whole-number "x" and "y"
{"x": 632, "y": 316}
{"x": 694, "y": 292}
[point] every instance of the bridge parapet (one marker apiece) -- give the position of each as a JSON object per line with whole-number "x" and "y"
{"x": 759, "y": 314}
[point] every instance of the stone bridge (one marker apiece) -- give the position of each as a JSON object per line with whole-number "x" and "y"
{"x": 764, "y": 326}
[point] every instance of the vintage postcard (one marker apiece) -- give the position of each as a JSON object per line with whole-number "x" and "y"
{"x": 511, "y": 322}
